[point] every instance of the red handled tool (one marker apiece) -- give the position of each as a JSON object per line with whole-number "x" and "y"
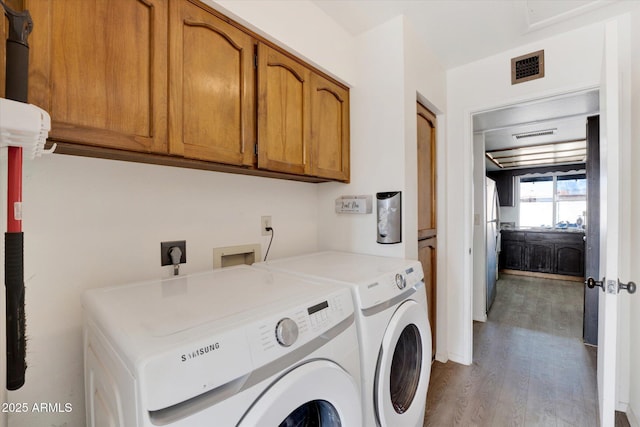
{"x": 20, "y": 26}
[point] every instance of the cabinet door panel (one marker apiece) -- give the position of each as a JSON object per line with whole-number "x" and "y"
{"x": 426, "y": 170}
{"x": 570, "y": 259}
{"x": 283, "y": 112}
{"x": 99, "y": 69}
{"x": 540, "y": 257}
{"x": 329, "y": 129}
{"x": 212, "y": 97}
{"x": 427, "y": 250}
{"x": 512, "y": 255}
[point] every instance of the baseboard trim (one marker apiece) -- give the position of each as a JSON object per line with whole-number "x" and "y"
{"x": 631, "y": 416}
{"x": 441, "y": 357}
{"x": 481, "y": 319}
{"x": 543, "y": 275}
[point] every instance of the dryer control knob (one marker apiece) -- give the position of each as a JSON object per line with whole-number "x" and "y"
{"x": 286, "y": 332}
{"x": 401, "y": 282}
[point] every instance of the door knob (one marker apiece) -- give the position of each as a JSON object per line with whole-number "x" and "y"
{"x": 629, "y": 287}
{"x": 611, "y": 285}
{"x": 592, "y": 283}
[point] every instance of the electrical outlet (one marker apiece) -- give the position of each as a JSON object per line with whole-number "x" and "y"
{"x": 265, "y": 222}
{"x": 165, "y": 247}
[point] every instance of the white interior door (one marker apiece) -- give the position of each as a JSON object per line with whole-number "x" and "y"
{"x": 612, "y": 139}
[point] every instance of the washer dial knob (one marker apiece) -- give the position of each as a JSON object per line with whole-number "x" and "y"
{"x": 401, "y": 282}
{"x": 286, "y": 332}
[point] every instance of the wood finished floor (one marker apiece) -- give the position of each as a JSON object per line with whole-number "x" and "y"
{"x": 530, "y": 366}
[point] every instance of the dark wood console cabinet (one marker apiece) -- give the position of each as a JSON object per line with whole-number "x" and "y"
{"x": 555, "y": 252}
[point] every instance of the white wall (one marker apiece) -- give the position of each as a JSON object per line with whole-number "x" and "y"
{"x": 425, "y": 79}
{"x": 633, "y": 411}
{"x": 572, "y": 63}
{"x": 510, "y": 213}
{"x": 377, "y": 142}
{"x": 393, "y": 71}
{"x": 91, "y": 222}
{"x": 301, "y": 27}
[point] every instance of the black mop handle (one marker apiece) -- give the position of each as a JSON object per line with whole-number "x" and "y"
{"x": 17, "y": 69}
{"x": 14, "y": 284}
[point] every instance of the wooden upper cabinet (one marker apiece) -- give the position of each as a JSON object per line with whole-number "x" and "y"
{"x": 99, "y": 69}
{"x": 426, "y": 172}
{"x": 212, "y": 91}
{"x": 329, "y": 129}
{"x": 283, "y": 113}
{"x": 176, "y": 82}
{"x": 303, "y": 119}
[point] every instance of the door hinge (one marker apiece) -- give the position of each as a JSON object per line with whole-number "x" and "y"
{"x": 255, "y": 61}
{"x": 255, "y": 149}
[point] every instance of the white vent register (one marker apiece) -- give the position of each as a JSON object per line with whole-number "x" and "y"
{"x": 24, "y": 125}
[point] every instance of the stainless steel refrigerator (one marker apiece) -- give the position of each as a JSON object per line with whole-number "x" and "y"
{"x": 492, "y": 239}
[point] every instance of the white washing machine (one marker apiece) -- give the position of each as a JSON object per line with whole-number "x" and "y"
{"x": 393, "y": 329}
{"x": 232, "y": 347}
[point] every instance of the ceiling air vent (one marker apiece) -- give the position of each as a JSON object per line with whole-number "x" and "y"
{"x": 527, "y": 67}
{"x": 545, "y": 132}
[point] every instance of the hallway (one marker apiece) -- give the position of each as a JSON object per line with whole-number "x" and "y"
{"x": 530, "y": 366}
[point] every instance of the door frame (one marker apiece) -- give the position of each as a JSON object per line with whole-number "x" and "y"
{"x": 624, "y": 102}
{"x": 478, "y": 234}
{"x": 615, "y": 147}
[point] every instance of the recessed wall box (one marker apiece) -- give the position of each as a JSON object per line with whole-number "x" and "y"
{"x": 236, "y": 255}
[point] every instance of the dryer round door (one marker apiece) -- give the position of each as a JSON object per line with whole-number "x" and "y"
{"x": 403, "y": 371}
{"x": 318, "y": 393}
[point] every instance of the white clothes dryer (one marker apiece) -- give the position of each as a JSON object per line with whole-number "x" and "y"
{"x": 393, "y": 329}
{"x": 231, "y": 347}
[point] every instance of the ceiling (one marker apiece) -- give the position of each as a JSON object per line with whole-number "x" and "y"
{"x": 566, "y": 115}
{"x": 462, "y": 31}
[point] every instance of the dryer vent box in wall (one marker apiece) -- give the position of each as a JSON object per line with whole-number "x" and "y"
{"x": 527, "y": 67}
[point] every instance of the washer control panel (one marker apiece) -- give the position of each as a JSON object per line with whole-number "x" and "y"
{"x": 390, "y": 284}
{"x": 274, "y": 337}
